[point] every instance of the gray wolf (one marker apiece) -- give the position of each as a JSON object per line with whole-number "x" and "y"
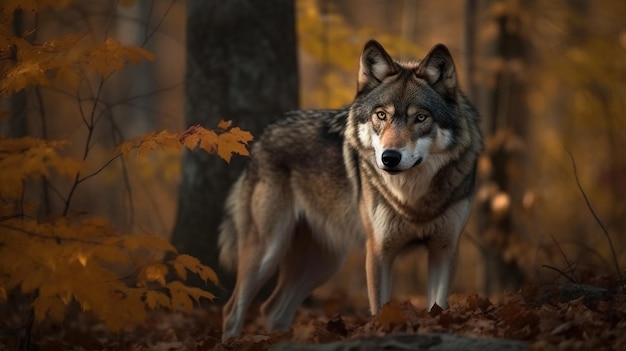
{"x": 394, "y": 169}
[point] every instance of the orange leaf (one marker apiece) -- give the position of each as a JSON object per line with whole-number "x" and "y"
{"x": 391, "y": 315}
{"x": 223, "y": 124}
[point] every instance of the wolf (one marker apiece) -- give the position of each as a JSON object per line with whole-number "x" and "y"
{"x": 393, "y": 170}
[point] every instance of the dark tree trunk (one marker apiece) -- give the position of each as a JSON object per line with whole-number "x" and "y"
{"x": 241, "y": 66}
{"x": 501, "y": 99}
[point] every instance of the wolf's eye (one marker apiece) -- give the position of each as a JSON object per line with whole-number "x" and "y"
{"x": 420, "y": 117}
{"x": 381, "y": 115}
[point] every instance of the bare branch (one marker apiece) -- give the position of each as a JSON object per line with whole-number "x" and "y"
{"x": 158, "y": 25}
{"x": 570, "y": 267}
{"x": 560, "y": 272}
{"x": 99, "y": 169}
{"x": 604, "y": 230}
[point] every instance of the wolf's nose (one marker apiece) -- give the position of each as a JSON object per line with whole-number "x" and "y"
{"x": 391, "y": 158}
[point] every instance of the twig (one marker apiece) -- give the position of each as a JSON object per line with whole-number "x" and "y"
{"x": 604, "y": 230}
{"x": 118, "y": 136}
{"x": 560, "y": 272}
{"x": 158, "y": 25}
{"x": 52, "y": 237}
{"x": 44, "y": 133}
{"x": 90, "y": 124}
{"x": 569, "y": 264}
{"x": 99, "y": 169}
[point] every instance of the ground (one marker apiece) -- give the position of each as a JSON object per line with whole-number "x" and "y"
{"x": 564, "y": 317}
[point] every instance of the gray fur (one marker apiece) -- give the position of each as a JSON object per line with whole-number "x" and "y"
{"x": 394, "y": 168}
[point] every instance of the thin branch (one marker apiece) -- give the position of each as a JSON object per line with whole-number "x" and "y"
{"x": 117, "y": 134}
{"x": 560, "y": 272}
{"x": 604, "y": 230}
{"x": 158, "y": 25}
{"x": 92, "y": 120}
{"x": 55, "y": 190}
{"x": 51, "y": 237}
{"x": 569, "y": 265}
{"x": 44, "y": 133}
{"x": 99, "y": 169}
{"x": 90, "y": 129}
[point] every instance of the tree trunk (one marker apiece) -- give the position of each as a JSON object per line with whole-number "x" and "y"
{"x": 501, "y": 99}
{"x": 241, "y": 66}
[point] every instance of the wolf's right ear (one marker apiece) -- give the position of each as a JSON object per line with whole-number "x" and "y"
{"x": 439, "y": 71}
{"x": 376, "y": 65}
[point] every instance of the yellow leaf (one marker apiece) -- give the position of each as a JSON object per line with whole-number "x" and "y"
{"x": 180, "y": 298}
{"x": 228, "y": 143}
{"x": 223, "y": 124}
{"x": 152, "y": 273}
{"x": 22, "y": 76}
{"x": 156, "y": 299}
{"x": 48, "y": 306}
{"x": 242, "y": 135}
{"x": 180, "y": 270}
{"x": 34, "y": 280}
{"x": 162, "y": 140}
{"x": 134, "y": 242}
{"x": 30, "y": 158}
{"x": 391, "y": 314}
{"x": 111, "y": 55}
{"x": 194, "y": 265}
{"x": 208, "y": 140}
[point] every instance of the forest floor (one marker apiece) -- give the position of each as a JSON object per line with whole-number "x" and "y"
{"x": 564, "y": 317}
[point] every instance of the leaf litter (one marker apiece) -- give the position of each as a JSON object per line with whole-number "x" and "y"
{"x": 543, "y": 318}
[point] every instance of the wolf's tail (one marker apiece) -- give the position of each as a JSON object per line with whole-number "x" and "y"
{"x": 230, "y": 228}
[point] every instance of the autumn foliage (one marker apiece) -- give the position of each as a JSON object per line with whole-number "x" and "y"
{"x": 53, "y": 261}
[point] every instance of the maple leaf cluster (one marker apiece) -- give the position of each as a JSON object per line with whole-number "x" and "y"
{"x": 225, "y": 141}
{"x": 64, "y": 60}
{"x": 51, "y": 264}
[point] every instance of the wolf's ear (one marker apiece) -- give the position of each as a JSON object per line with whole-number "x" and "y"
{"x": 376, "y": 65}
{"x": 437, "y": 68}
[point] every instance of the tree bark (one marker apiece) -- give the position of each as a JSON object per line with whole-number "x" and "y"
{"x": 501, "y": 99}
{"x": 241, "y": 66}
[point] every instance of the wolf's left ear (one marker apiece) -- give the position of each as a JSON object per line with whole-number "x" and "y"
{"x": 437, "y": 68}
{"x": 376, "y": 65}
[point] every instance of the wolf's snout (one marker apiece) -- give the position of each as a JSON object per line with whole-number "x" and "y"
{"x": 391, "y": 158}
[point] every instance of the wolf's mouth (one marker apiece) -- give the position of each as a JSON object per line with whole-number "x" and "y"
{"x": 392, "y": 171}
{"x": 396, "y": 171}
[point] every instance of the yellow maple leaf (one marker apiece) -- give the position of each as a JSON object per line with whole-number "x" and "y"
{"x": 180, "y": 270}
{"x": 48, "y": 306}
{"x": 391, "y": 314}
{"x": 154, "y": 299}
{"x": 152, "y": 273}
{"x": 224, "y": 124}
{"x": 110, "y": 55}
{"x": 21, "y": 76}
{"x": 180, "y": 298}
{"x": 228, "y": 144}
{"x": 193, "y": 264}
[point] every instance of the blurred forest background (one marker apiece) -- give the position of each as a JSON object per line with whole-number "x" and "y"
{"x": 547, "y": 76}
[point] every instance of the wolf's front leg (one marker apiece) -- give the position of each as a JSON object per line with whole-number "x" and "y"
{"x": 441, "y": 265}
{"x": 378, "y": 272}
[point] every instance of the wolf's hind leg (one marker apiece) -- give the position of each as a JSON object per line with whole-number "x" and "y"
{"x": 306, "y": 265}
{"x": 259, "y": 252}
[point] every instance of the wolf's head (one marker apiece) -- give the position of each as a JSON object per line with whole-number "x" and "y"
{"x": 404, "y": 111}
